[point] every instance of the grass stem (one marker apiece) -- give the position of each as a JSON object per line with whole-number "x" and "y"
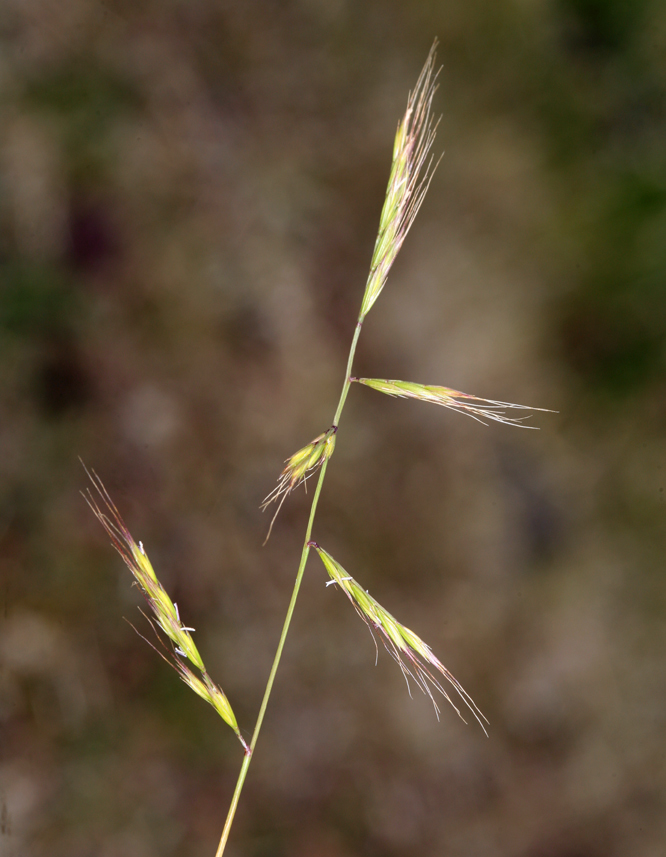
{"x": 347, "y": 383}
{"x": 290, "y": 610}
{"x": 276, "y": 661}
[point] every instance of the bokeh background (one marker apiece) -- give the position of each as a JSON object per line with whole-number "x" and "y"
{"x": 189, "y": 197}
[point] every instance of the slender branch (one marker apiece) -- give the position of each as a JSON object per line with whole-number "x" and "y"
{"x": 290, "y": 610}
{"x": 350, "y": 361}
{"x": 276, "y": 662}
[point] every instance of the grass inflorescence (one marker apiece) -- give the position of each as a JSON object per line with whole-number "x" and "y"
{"x": 165, "y": 611}
{"x": 473, "y": 406}
{"x": 412, "y": 169}
{"x": 413, "y": 656}
{"x": 299, "y": 467}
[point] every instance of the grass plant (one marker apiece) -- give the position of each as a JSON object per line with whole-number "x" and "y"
{"x": 412, "y": 169}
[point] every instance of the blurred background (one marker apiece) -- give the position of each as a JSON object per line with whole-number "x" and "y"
{"x": 189, "y": 195}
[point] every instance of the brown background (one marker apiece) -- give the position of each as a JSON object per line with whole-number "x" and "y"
{"x": 188, "y": 201}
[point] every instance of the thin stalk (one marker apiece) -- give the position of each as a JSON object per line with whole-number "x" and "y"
{"x": 290, "y": 610}
{"x": 347, "y": 384}
{"x": 276, "y": 662}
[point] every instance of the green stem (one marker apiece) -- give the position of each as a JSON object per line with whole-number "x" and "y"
{"x": 347, "y": 383}
{"x": 276, "y": 662}
{"x": 290, "y": 610}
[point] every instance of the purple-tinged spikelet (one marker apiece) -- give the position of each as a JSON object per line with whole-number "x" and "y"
{"x": 412, "y": 169}
{"x": 164, "y": 610}
{"x": 474, "y": 407}
{"x": 413, "y": 656}
{"x": 298, "y": 469}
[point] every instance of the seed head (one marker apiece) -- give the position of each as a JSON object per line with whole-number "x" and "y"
{"x": 412, "y": 655}
{"x": 479, "y": 409}
{"x": 164, "y": 610}
{"x": 299, "y": 467}
{"x": 412, "y": 170}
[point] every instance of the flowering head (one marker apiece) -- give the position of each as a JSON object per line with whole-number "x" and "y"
{"x": 164, "y": 610}
{"x": 299, "y": 467}
{"x": 413, "y": 656}
{"x": 412, "y": 169}
{"x": 476, "y": 408}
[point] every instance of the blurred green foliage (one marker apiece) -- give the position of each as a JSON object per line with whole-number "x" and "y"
{"x": 87, "y": 99}
{"x": 37, "y": 300}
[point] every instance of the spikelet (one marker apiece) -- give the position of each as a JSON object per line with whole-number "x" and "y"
{"x": 164, "y": 610}
{"x": 413, "y": 656}
{"x": 298, "y": 468}
{"x": 479, "y": 409}
{"x": 412, "y": 169}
